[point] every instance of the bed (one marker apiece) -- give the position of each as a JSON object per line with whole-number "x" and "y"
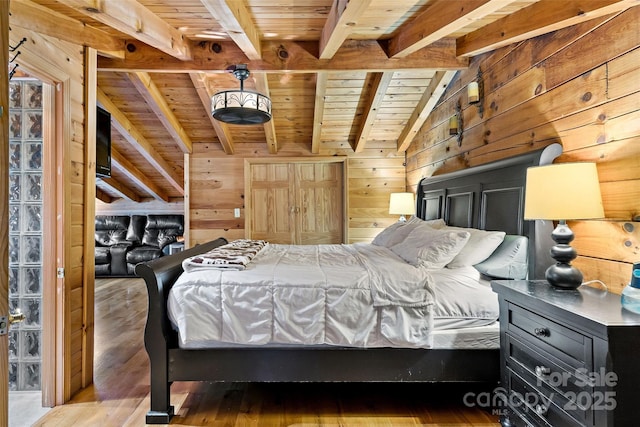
{"x": 489, "y": 197}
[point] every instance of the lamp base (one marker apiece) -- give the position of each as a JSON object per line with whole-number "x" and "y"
{"x": 563, "y": 275}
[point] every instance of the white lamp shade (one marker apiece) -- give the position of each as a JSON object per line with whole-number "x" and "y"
{"x": 401, "y": 204}
{"x": 563, "y": 191}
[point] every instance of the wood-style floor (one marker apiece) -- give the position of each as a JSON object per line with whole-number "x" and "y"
{"x": 120, "y": 393}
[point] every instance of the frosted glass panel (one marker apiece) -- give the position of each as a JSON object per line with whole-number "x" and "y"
{"x": 25, "y": 232}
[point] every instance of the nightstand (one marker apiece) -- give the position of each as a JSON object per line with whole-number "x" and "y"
{"x": 568, "y": 357}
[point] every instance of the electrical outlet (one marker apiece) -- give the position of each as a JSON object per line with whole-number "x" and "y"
{"x": 236, "y": 212}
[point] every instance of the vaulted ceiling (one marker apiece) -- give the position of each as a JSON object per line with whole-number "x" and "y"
{"x": 341, "y": 74}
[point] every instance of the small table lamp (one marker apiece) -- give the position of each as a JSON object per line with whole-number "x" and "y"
{"x": 401, "y": 204}
{"x": 560, "y": 192}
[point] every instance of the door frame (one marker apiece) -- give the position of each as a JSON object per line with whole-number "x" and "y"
{"x": 55, "y": 98}
{"x": 52, "y": 99}
{"x": 248, "y": 162}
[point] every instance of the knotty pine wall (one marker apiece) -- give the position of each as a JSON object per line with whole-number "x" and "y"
{"x": 128, "y": 207}
{"x": 216, "y": 186}
{"x": 62, "y": 64}
{"x": 579, "y": 87}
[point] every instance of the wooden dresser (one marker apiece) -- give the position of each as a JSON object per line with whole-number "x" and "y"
{"x": 568, "y": 358}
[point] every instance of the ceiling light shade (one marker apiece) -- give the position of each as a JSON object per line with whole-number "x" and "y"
{"x": 238, "y": 106}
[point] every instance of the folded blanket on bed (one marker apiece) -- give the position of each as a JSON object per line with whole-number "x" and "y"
{"x": 232, "y": 256}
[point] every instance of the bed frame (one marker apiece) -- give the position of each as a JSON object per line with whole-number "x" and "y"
{"x": 488, "y": 197}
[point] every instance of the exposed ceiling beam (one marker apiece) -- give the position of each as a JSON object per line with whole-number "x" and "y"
{"x": 128, "y": 169}
{"x": 235, "y": 18}
{"x": 379, "y": 86}
{"x": 137, "y": 140}
{"x": 318, "y": 110}
{"x": 116, "y": 186}
{"x": 29, "y": 15}
{"x": 138, "y": 22}
{"x": 102, "y": 196}
{"x": 344, "y": 14}
{"x": 157, "y": 102}
{"x": 539, "y": 18}
{"x": 262, "y": 86}
{"x": 221, "y": 129}
{"x": 427, "y": 102}
{"x": 287, "y": 56}
{"x": 440, "y": 19}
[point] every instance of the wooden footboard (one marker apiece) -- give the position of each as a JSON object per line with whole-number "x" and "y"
{"x": 159, "y": 337}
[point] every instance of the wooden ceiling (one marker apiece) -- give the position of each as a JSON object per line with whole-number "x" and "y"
{"x": 337, "y": 71}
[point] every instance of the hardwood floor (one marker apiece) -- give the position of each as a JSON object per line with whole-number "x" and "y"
{"x": 120, "y": 393}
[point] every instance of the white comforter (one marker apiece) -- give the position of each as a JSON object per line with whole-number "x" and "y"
{"x": 359, "y": 295}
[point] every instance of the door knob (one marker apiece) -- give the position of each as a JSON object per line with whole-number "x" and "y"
{"x": 16, "y": 317}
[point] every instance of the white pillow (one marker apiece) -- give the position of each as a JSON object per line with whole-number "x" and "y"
{"x": 383, "y": 237}
{"x": 397, "y": 232}
{"x": 429, "y": 247}
{"x": 509, "y": 261}
{"x": 480, "y": 246}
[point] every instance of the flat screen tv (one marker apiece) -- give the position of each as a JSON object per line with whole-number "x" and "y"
{"x": 103, "y": 143}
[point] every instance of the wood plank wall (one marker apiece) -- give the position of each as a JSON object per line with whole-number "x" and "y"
{"x": 580, "y": 87}
{"x": 216, "y": 183}
{"x": 62, "y": 64}
{"x": 128, "y": 207}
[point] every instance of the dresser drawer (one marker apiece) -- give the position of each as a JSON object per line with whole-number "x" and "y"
{"x": 512, "y": 418}
{"x": 545, "y": 367}
{"x": 526, "y": 400}
{"x": 565, "y": 344}
{"x": 567, "y": 391}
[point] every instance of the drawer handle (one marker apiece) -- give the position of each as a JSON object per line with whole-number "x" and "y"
{"x": 541, "y": 332}
{"x": 542, "y": 371}
{"x": 541, "y": 410}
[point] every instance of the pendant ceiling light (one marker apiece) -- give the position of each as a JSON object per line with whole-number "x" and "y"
{"x": 238, "y": 106}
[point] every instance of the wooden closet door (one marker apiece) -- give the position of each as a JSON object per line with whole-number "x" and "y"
{"x": 299, "y": 203}
{"x": 272, "y": 197}
{"x": 319, "y": 209}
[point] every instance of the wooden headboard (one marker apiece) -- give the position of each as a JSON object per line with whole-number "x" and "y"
{"x": 491, "y": 197}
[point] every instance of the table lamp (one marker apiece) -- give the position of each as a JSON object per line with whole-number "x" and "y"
{"x": 564, "y": 191}
{"x": 401, "y": 204}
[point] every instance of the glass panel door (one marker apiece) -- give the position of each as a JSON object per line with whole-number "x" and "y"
{"x": 25, "y": 242}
